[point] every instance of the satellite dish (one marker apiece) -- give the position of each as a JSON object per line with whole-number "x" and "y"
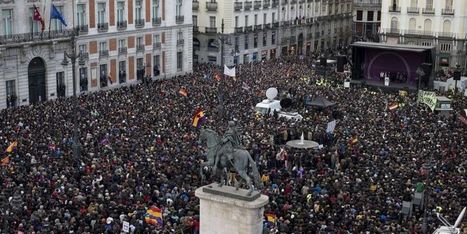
{"x": 286, "y": 103}
{"x": 271, "y": 93}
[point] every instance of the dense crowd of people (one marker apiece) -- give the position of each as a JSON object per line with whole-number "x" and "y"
{"x": 138, "y": 149}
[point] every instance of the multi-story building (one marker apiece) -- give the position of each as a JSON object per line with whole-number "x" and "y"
{"x": 264, "y": 29}
{"x": 439, "y": 23}
{"x": 118, "y": 42}
{"x": 366, "y": 20}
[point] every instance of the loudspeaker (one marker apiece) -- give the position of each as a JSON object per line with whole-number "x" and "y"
{"x": 323, "y": 62}
{"x": 340, "y": 63}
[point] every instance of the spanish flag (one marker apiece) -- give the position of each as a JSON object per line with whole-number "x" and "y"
{"x": 198, "y": 118}
{"x": 271, "y": 217}
{"x": 5, "y": 161}
{"x": 183, "y": 92}
{"x": 12, "y": 146}
{"x": 153, "y": 216}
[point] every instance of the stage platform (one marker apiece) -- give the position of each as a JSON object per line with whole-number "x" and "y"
{"x": 380, "y": 84}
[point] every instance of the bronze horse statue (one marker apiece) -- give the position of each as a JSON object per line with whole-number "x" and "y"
{"x": 241, "y": 162}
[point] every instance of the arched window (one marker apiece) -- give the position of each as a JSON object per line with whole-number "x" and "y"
{"x": 394, "y": 23}
{"x": 427, "y": 26}
{"x": 447, "y": 26}
{"x": 412, "y": 24}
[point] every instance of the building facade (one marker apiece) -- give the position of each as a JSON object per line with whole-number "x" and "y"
{"x": 265, "y": 29}
{"x": 366, "y": 20}
{"x": 116, "y": 42}
{"x": 439, "y": 23}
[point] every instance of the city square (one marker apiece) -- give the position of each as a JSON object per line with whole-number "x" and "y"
{"x": 337, "y": 122}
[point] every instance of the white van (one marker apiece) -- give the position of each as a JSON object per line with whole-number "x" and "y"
{"x": 274, "y": 105}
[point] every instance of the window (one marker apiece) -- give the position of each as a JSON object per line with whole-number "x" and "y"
{"x": 120, "y": 11}
{"x": 427, "y": 25}
{"x": 273, "y": 38}
{"x": 180, "y": 61}
{"x": 157, "y": 38}
{"x": 61, "y": 88}
{"x": 121, "y": 43}
{"x": 370, "y": 15}
{"x": 102, "y": 46}
{"x": 246, "y": 42}
{"x": 139, "y": 42}
{"x": 359, "y": 15}
{"x": 429, "y": 4}
{"x": 245, "y": 58}
{"x": 122, "y": 72}
{"x": 83, "y": 48}
{"x": 212, "y": 21}
{"x": 273, "y": 17}
{"x": 10, "y": 93}
{"x": 255, "y": 41}
{"x": 237, "y": 43}
{"x": 445, "y": 47}
{"x": 394, "y": 23}
{"x": 246, "y": 20}
{"x": 101, "y": 15}
{"x": 195, "y": 20}
{"x": 236, "y": 21}
{"x": 103, "y": 75}
{"x": 265, "y": 18}
{"x": 138, "y": 10}
{"x": 256, "y": 19}
{"x": 379, "y": 16}
{"x": 178, "y": 8}
{"x": 447, "y": 26}
{"x": 83, "y": 79}
{"x": 180, "y": 36}
{"x": 412, "y": 24}
{"x": 155, "y": 9}
{"x": 157, "y": 65}
{"x": 57, "y": 24}
{"x": 265, "y": 39}
{"x": 448, "y": 4}
{"x": 34, "y": 25}
{"x": 81, "y": 14}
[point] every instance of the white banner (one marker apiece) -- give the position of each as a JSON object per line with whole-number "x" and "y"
{"x": 228, "y": 71}
{"x": 331, "y": 126}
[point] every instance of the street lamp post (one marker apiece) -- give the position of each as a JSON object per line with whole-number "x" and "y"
{"x": 221, "y": 89}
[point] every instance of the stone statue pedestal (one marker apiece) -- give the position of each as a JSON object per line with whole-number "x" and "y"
{"x": 226, "y": 210}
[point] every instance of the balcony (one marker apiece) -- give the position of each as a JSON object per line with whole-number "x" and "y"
{"x": 415, "y": 10}
{"x": 446, "y": 34}
{"x": 238, "y": 6}
{"x": 238, "y": 29}
{"x": 293, "y": 1}
{"x": 82, "y": 29}
{"x": 195, "y": 6}
{"x": 195, "y": 29}
{"x": 156, "y": 46}
{"x": 139, "y": 23}
{"x": 257, "y": 5}
{"x": 248, "y": 5}
{"x": 85, "y": 55}
{"x": 447, "y": 11}
{"x": 211, "y": 29}
{"x": 140, "y": 48}
{"x": 102, "y": 27}
{"x": 367, "y": 4}
{"x": 121, "y": 25}
{"x": 395, "y": 9}
{"x": 122, "y": 51}
{"x": 179, "y": 19}
{"x": 258, "y": 27}
{"x": 393, "y": 31}
{"x": 34, "y": 37}
{"x": 103, "y": 54}
{"x": 275, "y": 24}
{"x": 267, "y": 26}
{"x": 266, "y": 4}
{"x": 180, "y": 42}
{"x": 248, "y": 29}
{"x": 275, "y": 3}
{"x": 211, "y": 6}
{"x": 156, "y": 21}
{"x": 428, "y": 11}
{"x": 418, "y": 33}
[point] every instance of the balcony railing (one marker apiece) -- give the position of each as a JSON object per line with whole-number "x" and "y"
{"x": 102, "y": 27}
{"x": 258, "y": 27}
{"x": 139, "y": 23}
{"x": 195, "y": 5}
{"x": 85, "y": 55}
{"x": 239, "y": 30}
{"x": 103, "y": 53}
{"x": 301, "y": 1}
{"x": 293, "y": 1}
{"x": 156, "y": 21}
{"x": 418, "y": 33}
{"x": 195, "y": 29}
{"x": 266, "y": 4}
{"x": 394, "y": 9}
{"x": 140, "y": 48}
{"x": 267, "y": 26}
{"x": 257, "y": 5}
{"x": 211, "y": 6}
{"x": 30, "y": 37}
{"x": 238, "y": 6}
{"x": 413, "y": 10}
{"x": 447, "y": 11}
{"x": 156, "y": 46}
{"x": 428, "y": 11}
{"x": 248, "y": 5}
{"x": 122, "y": 50}
{"x": 367, "y": 3}
{"x": 249, "y": 29}
{"x": 211, "y": 29}
{"x": 275, "y": 3}
{"x": 179, "y": 19}
{"x": 82, "y": 29}
{"x": 121, "y": 25}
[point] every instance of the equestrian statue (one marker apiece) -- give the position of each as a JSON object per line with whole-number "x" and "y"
{"x": 227, "y": 153}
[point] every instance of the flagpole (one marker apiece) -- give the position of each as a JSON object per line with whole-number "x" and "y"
{"x": 50, "y": 19}
{"x": 43, "y": 12}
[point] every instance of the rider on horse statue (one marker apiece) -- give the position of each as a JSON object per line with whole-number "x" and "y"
{"x": 230, "y": 141}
